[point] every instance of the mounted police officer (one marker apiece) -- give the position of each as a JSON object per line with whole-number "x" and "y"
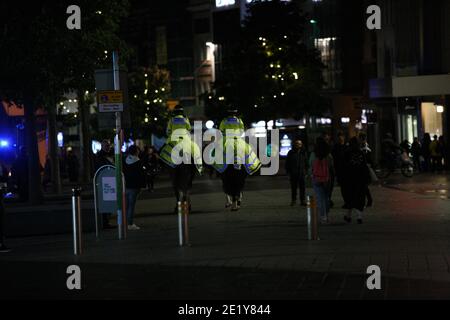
{"x": 244, "y": 161}
{"x": 178, "y": 122}
{"x": 179, "y": 137}
{"x": 232, "y": 125}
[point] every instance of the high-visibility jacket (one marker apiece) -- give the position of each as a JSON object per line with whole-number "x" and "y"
{"x": 233, "y": 126}
{"x": 178, "y": 123}
{"x": 186, "y": 148}
{"x": 240, "y": 153}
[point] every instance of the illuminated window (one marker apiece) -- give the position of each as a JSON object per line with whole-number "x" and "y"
{"x": 327, "y": 49}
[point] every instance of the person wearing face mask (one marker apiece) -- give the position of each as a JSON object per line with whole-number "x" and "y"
{"x": 297, "y": 168}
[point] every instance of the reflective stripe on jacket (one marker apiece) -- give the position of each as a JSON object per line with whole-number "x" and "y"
{"x": 243, "y": 154}
{"x": 187, "y": 148}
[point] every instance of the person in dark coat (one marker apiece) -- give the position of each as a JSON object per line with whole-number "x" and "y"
{"x": 73, "y": 167}
{"x": 297, "y": 169}
{"x": 339, "y": 152}
{"x": 426, "y": 153}
{"x": 357, "y": 173}
{"x": 134, "y": 181}
{"x": 416, "y": 151}
{"x": 327, "y": 137}
{"x": 104, "y": 158}
{"x": 151, "y": 162}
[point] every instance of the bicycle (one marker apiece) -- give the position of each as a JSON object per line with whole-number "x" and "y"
{"x": 391, "y": 164}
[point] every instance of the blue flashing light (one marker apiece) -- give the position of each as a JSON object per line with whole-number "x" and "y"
{"x": 4, "y": 144}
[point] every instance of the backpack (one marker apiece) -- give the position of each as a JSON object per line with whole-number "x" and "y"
{"x": 320, "y": 171}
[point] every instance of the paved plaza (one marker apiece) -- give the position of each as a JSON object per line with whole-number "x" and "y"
{"x": 261, "y": 252}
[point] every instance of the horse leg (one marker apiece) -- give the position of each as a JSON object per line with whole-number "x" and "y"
{"x": 228, "y": 201}
{"x": 226, "y": 185}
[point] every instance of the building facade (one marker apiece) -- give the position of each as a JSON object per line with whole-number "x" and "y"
{"x": 413, "y": 66}
{"x": 161, "y": 34}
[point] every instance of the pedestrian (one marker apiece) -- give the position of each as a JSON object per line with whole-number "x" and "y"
{"x": 20, "y": 174}
{"x": 3, "y": 187}
{"x": 365, "y": 148}
{"x": 327, "y": 137}
{"x": 151, "y": 163}
{"x": 297, "y": 168}
{"x": 104, "y": 158}
{"x": 391, "y": 152}
{"x": 426, "y": 154}
{"x": 436, "y": 155}
{"x": 73, "y": 167}
{"x": 339, "y": 151}
{"x": 416, "y": 152}
{"x": 321, "y": 165}
{"x": 406, "y": 147}
{"x": 134, "y": 181}
{"x": 358, "y": 176}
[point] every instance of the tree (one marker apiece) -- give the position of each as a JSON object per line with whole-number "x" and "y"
{"x": 89, "y": 49}
{"x": 42, "y": 59}
{"x": 149, "y": 91}
{"x": 29, "y": 69}
{"x": 271, "y": 73}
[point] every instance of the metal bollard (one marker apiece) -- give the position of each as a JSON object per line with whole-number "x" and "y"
{"x": 312, "y": 219}
{"x": 76, "y": 221}
{"x": 186, "y": 223}
{"x": 183, "y": 223}
{"x": 180, "y": 224}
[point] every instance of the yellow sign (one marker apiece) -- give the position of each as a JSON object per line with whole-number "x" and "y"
{"x": 110, "y": 101}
